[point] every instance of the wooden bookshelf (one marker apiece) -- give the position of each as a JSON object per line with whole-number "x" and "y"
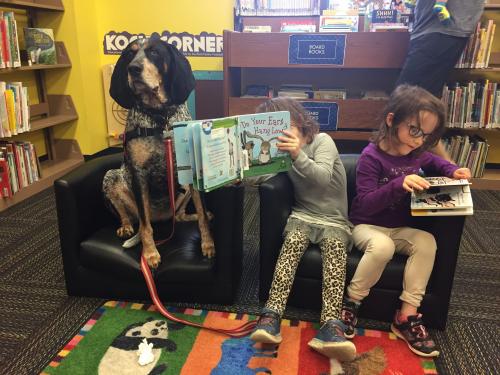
{"x": 372, "y": 61}
{"x": 49, "y": 5}
{"x": 489, "y": 181}
{"x": 51, "y": 110}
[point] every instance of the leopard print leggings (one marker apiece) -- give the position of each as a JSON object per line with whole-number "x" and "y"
{"x": 333, "y": 254}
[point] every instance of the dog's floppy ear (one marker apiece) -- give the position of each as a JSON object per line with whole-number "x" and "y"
{"x": 119, "y": 89}
{"x": 180, "y": 80}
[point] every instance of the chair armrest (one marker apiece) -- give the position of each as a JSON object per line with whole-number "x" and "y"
{"x": 276, "y": 200}
{"x": 80, "y": 205}
{"x": 447, "y": 231}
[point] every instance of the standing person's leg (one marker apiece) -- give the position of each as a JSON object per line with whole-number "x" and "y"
{"x": 268, "y": 327}
{"x": 420, "y": 246}
{"x": 429, "y": 61}
{"x": 378, "y": 250}
{"x": 330, "y": 340}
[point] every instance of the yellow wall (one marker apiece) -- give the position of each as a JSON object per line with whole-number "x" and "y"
{"x": 82, "y": 28}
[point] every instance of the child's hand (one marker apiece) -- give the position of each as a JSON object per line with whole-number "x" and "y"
{"x": 289, "y": 142}
{"x": 462, "y": 173}
{"x": 415, "y": 182}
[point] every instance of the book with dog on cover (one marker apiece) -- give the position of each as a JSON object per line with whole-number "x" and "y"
{"x": 212, "y": 153}
{"x": 445, "y": 197}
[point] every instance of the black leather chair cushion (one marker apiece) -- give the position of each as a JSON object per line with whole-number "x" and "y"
{"x": 310, "y": 267}
{"x": 182, "y": 261}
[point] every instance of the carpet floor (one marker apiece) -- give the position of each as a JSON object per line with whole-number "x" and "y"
{"x": 38, "y": 318}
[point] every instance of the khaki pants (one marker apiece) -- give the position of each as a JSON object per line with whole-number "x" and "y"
{"x": 379, "y": 245}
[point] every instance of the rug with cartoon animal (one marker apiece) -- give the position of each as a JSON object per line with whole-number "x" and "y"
{"x": 109, "y": 344}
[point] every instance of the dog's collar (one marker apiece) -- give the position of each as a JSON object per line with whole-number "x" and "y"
{"x": 142, "y": 132}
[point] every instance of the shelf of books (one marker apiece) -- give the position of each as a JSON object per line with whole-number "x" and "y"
{"x": 22, "y": 175}
{"x": 21, "y": 172}
{"x": 63, "y": 61}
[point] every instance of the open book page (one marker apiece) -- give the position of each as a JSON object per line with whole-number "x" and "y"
{"x": 219, "y": 152}
{"x": 259, "y": 135}
{"x": 446, "y": 198}
{"x": 182, "y": 153}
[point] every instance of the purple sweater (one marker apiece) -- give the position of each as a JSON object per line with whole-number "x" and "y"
{"x": 380, "y": 197}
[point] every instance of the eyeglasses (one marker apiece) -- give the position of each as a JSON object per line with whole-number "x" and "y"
{"x": 416, "y": 132}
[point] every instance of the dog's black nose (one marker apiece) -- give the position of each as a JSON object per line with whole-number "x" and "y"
{"x": 135, "y": 69}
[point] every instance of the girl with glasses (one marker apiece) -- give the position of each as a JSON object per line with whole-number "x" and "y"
{"x": 386, "y": 174}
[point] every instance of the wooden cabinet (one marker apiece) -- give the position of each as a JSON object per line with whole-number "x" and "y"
{"x": 62, "y": 155}
{"x": 372, "y": 62}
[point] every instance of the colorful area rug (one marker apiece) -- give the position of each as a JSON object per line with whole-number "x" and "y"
{"x": 108, "y": 343}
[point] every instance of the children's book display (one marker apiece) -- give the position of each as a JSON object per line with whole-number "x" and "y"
{"x": 40, "y": 46}
{"x": 445, "y": 197}
{"x": 213, "y": 153}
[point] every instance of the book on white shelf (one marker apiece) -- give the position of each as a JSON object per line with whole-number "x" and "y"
{"x": 339, "y": 22}
{"x": 445, "y": 197}
{"x": 257, "y": 29}
{"x": 212, "y": 153}
{"x": 298, "y": 27}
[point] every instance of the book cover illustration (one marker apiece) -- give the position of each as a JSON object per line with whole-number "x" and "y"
{"x": 212, "y": 153}
{"x": 259, "y": 135}
{"x": 446, "y": 197}
{"x": 40, "y": 46}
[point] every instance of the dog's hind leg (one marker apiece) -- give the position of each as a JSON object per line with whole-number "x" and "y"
{"x": 181, "y": 203}
{"x": 207, "y": 242}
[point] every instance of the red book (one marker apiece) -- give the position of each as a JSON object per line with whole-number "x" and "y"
{"x": 5, "y": 190}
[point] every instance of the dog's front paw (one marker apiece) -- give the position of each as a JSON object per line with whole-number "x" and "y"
{"x": 152, "y": 257}
{"x": 208, "y": 248}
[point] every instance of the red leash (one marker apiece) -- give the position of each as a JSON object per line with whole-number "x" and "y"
{"x": 240, "y": 331}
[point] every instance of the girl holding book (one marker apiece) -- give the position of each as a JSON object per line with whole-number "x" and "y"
{"x": 319, "y": 215}
{"x": 386, "y": 174}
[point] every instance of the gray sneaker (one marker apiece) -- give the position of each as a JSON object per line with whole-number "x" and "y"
{"x": 330, "y": 342}
{"x": 267, "y": 330}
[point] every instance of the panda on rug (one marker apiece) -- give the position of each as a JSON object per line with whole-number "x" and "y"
{"x": 121, "y": 356}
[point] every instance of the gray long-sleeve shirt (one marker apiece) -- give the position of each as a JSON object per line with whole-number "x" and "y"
{"x": 319, "y": 182}
{"x": 465, "y": 15}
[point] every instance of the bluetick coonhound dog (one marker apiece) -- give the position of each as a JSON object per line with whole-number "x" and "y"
{"x": 151, "y": 79}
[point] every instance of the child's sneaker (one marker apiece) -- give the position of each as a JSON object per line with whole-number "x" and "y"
{"x": 442, "y": 12}
{"x": 415, "y": 334}
{"x": 267, "y": 330}
{"x": 330, "y": 342}
{"x": 349, "y": 317}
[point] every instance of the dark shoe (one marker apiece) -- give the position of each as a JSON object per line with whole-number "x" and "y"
{"x": 350, "y": 317}
{"x": 330, "y": 342}
{"x": 415, "y": 334}
{"x": 267, "y": 330}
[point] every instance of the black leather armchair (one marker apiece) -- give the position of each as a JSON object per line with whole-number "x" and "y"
{"x": 96, "y": 265}
{"x": 276, "y": 199}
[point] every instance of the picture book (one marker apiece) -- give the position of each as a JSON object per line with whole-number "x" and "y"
{"x": 40, "y": 46}
{"x": 445, "y": 197}
{"x": 213, "y": 153}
